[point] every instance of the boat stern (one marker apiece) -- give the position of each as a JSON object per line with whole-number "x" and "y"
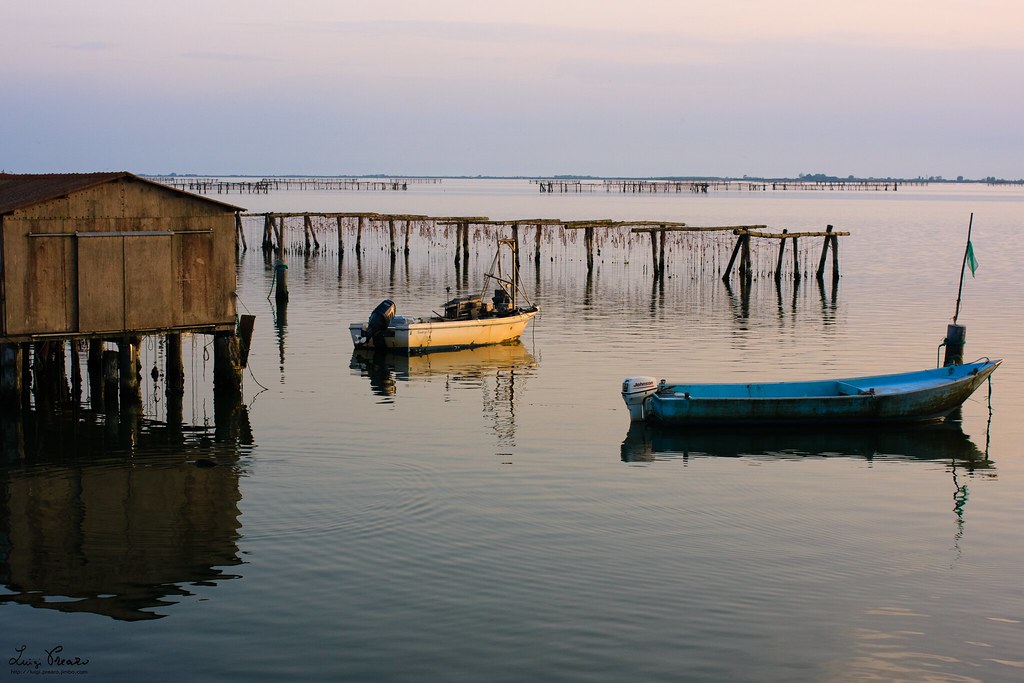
{"x": 635, "y": 391}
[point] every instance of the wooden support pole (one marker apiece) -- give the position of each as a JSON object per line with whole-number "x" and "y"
{"x": 10, "y": 377}
{"x": 824, "y": 252}
{"x": 588, "y": 240}
{"x": 661, "y": 253}
{"x": 408, "y": 229}
{"x": 835, "y": 256}
{"x": 281, "y": 272}
{"x": 307, "y": 230}
{"x": 227, "y": 366}
{"x": 76, "y": 372}
{"x": 782, "y": 252}
{"x": 240, "y": 233}
{"x": 536, "y": 252}
{"x": 268, "y": 232}
{"x": 341, "y": 234}
{"x": 391, "y": 234}
{"x": 732, "y": 259}
{"x": 458, "y": 239}
{"x": 128, "y": 366}
{"x": 515, "y": 242}
{"x": 174, "y": 372}
{"x": 796, "y": 261}
{"x": 746, "y": 269}
{"x": 359, "y": 233}
{"x": 465, "y": 243}
{"x": 94, "y": 368}
{"x": 654, "y": 253}
{"x": 110, "y": 379}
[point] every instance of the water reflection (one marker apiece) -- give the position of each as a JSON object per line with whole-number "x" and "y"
{"x": 495, "y": 370}
{"x": 945, "y": 441}
{"x": 94, "y": 521}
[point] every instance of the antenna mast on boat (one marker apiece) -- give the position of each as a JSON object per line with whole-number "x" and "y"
{"x": 963, "y": 266}
{"x": 509, "y": 283}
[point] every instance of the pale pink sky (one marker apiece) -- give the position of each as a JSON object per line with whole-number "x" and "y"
{"x": 448, "y": 87}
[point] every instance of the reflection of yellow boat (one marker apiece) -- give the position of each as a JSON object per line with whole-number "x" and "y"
{"x": 475, "y": 362}
{"x": 945, "y": 441}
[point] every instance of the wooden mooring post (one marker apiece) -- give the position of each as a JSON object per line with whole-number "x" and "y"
{"x": 831, "y": 240}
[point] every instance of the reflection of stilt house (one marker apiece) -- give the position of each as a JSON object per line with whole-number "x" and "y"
{"x": 111, "y": 257}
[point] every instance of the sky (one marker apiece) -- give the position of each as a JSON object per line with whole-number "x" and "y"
{"x": 640, "y": 88}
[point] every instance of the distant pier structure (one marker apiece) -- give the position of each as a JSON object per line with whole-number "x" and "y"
{"x": 240, "y": 185}
{"x": 104, "y": 260}
{"x": 655, "y": 186}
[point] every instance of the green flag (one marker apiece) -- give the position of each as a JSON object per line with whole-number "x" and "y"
{"x": 972, "y": 262}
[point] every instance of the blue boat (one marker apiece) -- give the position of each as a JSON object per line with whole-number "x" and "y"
{"x": 921, "y": 396}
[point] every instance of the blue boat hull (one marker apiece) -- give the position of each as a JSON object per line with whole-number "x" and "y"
{"x": 922, "y": 396}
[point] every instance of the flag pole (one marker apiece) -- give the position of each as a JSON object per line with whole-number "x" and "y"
{"x": 963, "y": 266}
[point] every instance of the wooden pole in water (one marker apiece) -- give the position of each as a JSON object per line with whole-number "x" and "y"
{"x": 408, "y": 229}
{"x": 227, "y": 366}
{"x": 661, "y": 252}
{"x": 359, "y": 233}
{"x": 268, "y": 232}
{"x": 458, "y": 238}
{"x": 465, "y": 243}
{"x": 239, "y": 232}
{"x": 515, "y": 243}
{"x": 307, "y": 230}
{"x": 76, "y": 372}
{"x": 281, "y": 270}
{"x": 341, "y": 242}
{"x": 834, "y": 239}
{"x": 796, "y": 260}
{"x": 128, "y": 370}
{"x": 746, "y": 269}
{"x": 110, "y": 379}
{"x": 536, "y": 253}
{"x": 588, "y": 241}
{"x": 10, "y": 377}
{"x": 732, "y": 259}
{"x": 824, "y": 253}
{"x": 782, "y": 252}
{"x": 94, "y": 368}
{"x": 654, "y": 253}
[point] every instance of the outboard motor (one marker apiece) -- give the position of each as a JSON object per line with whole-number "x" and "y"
{"x": 635, "y": 391}
{"x": 379, "y": 321}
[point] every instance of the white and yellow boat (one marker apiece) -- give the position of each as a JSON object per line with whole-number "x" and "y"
{"x": 468, "y": 321}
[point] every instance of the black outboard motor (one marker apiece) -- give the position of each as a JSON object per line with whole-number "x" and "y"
{"x": 379, "y": 321}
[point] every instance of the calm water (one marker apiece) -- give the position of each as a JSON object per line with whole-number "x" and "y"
{"x": 489, "y": 515}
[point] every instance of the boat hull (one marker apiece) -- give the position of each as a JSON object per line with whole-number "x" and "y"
{"x": 924, "y": 396}
{"x": 419, "y": 335}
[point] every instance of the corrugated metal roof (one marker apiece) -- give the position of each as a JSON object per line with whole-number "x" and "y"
{"x": 21, "y": 190}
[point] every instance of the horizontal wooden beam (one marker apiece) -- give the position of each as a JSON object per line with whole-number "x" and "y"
{"x": 785, "y": 235}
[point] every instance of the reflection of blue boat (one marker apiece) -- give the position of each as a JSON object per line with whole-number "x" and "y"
{"x": 923, "y": 396}
{"x": 947, "y": 441}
